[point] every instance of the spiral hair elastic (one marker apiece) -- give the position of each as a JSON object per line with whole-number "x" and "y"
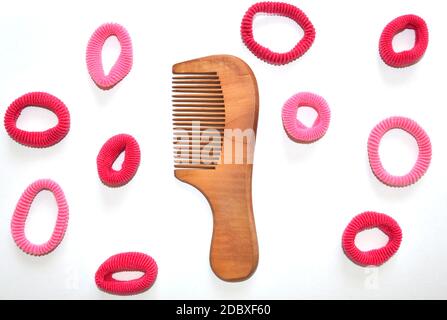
{"x": 370, "y": 220}
{"x": 129, "y": 261}
{"x": 108, "y": 154}
{"x": 123, "y": 64}
{"x": 408, "y": 57}
{"x": 424, "y": 155}
{"x": 296, "y": 130}
{"x": 281, "y": 9}
{"x": 21, "y": 213}
{"x": 37, "y": 139}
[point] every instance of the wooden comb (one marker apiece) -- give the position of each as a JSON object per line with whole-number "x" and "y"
{"x": 215, "y": 115}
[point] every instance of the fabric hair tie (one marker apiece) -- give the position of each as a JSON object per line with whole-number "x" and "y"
{"x": 37, "y": 139}
{"x": 123, "y": 64}
{"x": 281, "y": 9}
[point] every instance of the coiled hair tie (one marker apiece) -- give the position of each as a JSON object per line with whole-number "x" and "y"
{"x": 296, "y": 130}
{"x": 108, "y": 155}
{"x": 129, "y": 261}
{"x": 370, "y": 220}
{"x": 21, "y": 213}
{"x": 281, "y": 9}
{"x": 37, "y": 139}
{"x": 424, "y": 155}
{"x": 123, "y": 64}
{"x": 408, "y": 57}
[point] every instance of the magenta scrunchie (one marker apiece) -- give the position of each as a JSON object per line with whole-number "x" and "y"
{"x": 128, "y": 261}
{"x": 281, "y": 9}
{"x": 37, "y": 139}
{"x": 108, "y": 154}
{"x": 370, "y": 220}
{"x": 408, "y": 57}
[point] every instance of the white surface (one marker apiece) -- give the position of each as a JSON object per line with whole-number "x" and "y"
{"x": 304, "y": 195}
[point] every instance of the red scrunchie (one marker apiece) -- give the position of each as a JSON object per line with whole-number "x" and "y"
{"x": 108, "y": 154}
{"x": 128, "y": 261}
{"x": 37, "y": 139}
{"x": 408, "y": 57}
{"x": 370, "y": 220}
{"x": 282, "y": 9}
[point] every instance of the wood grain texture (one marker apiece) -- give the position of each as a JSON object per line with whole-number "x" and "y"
{"x": 227, "y": 185}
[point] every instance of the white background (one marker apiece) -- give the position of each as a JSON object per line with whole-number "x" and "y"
{"x": 304, "y": 195}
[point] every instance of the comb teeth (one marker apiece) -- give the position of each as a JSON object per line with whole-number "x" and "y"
{"x": 198, "y": 119}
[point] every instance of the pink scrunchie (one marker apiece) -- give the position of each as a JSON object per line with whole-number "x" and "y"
{"x": 424, "y": 156}
{"x": 298, "y": 131}
{"x": 121, "y": 67}
{"x": 21, "y": 213}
